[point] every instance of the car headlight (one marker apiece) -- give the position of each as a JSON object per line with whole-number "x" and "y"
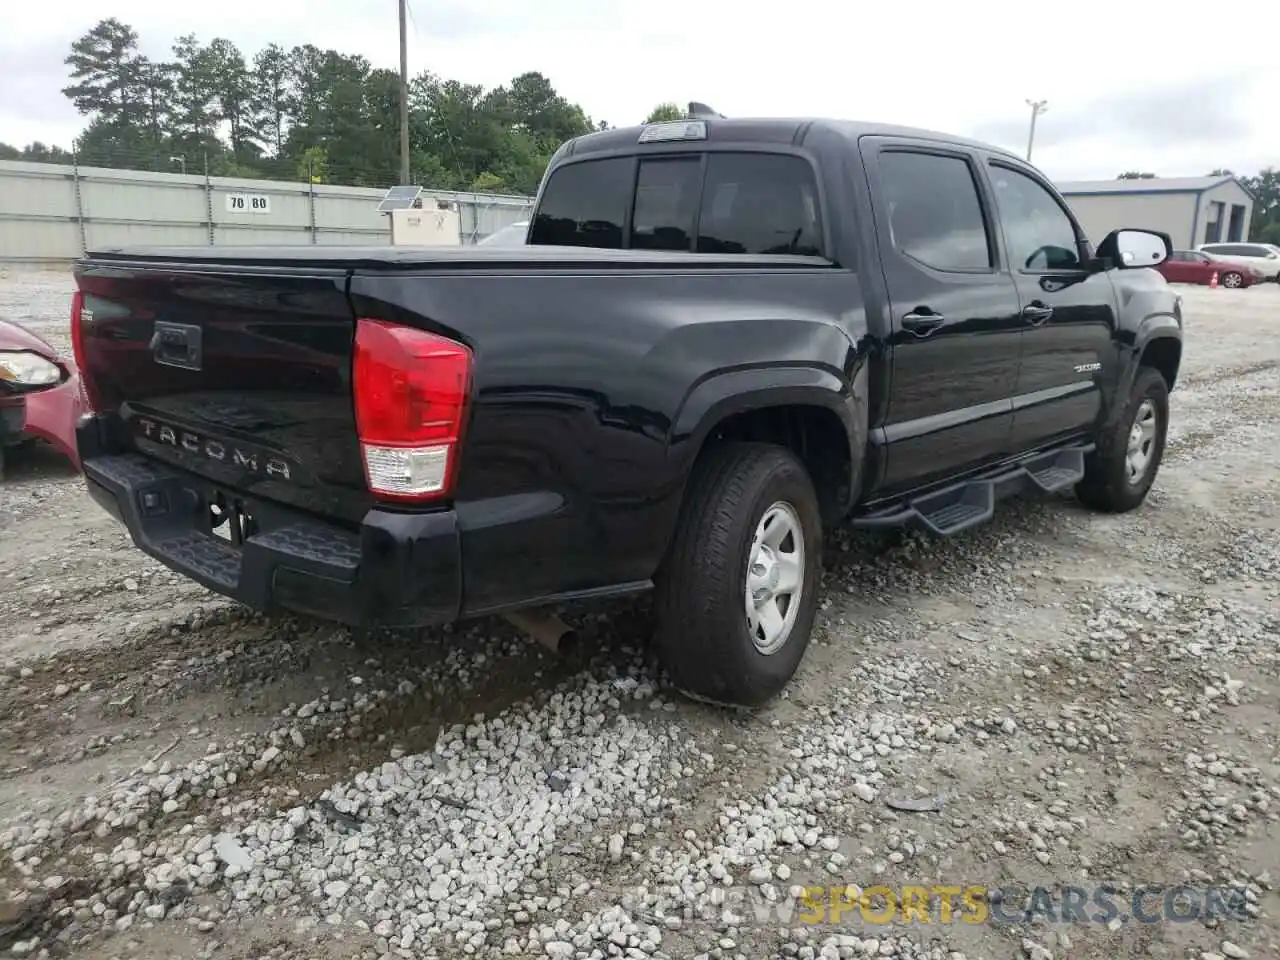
{"x": 27, "y": 369}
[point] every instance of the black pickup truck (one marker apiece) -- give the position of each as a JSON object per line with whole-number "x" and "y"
{"x": 723, "y": 337}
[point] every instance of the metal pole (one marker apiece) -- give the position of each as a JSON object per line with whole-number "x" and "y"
{"x": 208, "y": 199}
{"x": 311, "y": 198}
{"x": 1037, "y": 107}
{"x": 404, "y": 95}
{"x": 79, "y": 191}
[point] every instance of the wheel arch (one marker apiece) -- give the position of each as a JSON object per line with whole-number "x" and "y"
{"x": 810, "y": 410}
{"x": 1152, "y": 337}
{"x": 1163, "y": 353}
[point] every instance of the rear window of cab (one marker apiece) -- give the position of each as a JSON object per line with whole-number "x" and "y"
{"x": 765, "y": 203}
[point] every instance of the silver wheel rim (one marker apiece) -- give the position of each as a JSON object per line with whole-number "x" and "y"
{"x": 1142, "y": 442}
{"x": 1231, "y": 280}
{"x": 775, "y": 577}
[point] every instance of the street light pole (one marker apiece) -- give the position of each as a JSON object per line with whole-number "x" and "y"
{"x": 1037, "y": 107}
{"x": 404, "y": 95}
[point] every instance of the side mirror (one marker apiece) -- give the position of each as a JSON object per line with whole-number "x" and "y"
{"x": 1129, "y": 249}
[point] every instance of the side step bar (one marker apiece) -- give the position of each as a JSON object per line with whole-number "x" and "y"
{"x": 963, "y": 505}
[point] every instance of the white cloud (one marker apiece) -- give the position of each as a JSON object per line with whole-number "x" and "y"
{"x": 1129, "y": 87}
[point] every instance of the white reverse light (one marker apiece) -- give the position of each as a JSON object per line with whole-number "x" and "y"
{"x": 407, "y": 471}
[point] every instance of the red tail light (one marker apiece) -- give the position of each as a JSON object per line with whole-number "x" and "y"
{"x": 411, "y": 389}
{"x": 78, "y": 351}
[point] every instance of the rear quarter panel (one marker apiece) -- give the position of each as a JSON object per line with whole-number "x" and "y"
{"x": 590, "y": 400}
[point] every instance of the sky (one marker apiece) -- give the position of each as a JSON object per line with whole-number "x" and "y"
{"x": 1129, "y": 86}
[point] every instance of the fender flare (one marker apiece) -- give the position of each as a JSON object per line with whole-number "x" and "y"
{"x": 1161, "y": 326}
{"x": 731, "y": 392}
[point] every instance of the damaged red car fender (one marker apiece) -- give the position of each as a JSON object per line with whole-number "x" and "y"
{"x": 46, "y": 413}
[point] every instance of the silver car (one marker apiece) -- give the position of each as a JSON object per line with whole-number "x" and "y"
{"x": 512, "y": 235}
{"x": 1263, "y": 257}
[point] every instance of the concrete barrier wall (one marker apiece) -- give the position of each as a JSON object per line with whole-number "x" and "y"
{"x": 52, "y": 213}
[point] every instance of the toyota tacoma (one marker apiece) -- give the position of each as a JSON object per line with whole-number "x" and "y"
{"x": 722, "y": 338}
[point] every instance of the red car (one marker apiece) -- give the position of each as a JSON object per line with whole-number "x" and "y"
{"x": 1192, "y": 266}
{"x": 39, "y": 393}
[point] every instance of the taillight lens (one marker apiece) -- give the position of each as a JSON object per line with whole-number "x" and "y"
{"x": 90, "y": 396}
{"x": 411, "y": 390}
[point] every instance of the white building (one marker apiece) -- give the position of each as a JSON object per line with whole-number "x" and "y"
{"x": 1192, "y": 210}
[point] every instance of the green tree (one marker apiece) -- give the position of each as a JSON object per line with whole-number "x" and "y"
{"x": 313, "y": 165}
{"x": 106, "y": 73}
{"x": 536, "y": 108}
{"x": 40, "y": 153}
{"x": 233, "y": 91}
{"x": 306, "y": 99}
{"x": 157, "y": 90}
{"x": 272, "y": 95}
{"x": 195, "y": 95}
{"x": 285, "y": 113}
{"x": 107, "y": 144}
{"x": 663, "y": 112}
{"x": 1264, "y": 226}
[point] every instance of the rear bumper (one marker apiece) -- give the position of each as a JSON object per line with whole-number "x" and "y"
{"x": 396, "y": 570}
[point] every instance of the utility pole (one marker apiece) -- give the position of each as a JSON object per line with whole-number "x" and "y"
{"x": 1037, "y": 107}
{"x": 404, "y": 94}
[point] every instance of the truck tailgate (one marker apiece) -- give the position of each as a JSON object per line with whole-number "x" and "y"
{"x": 237, "y": 372}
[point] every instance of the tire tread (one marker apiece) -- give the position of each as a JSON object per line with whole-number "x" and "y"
{"x": 694, "y": 635}
{"x": 1104, "y": 487}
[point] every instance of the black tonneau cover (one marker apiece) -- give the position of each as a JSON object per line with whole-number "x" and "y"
{"x": 467, "y": 257}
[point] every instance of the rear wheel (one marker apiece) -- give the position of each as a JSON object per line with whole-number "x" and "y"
{"x": 1233, "y": 280}
{"x": 738, "y": 593}
{"x": 1120, "y": 472}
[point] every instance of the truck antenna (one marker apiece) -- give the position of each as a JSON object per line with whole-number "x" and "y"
{"x": 700, "y": 111}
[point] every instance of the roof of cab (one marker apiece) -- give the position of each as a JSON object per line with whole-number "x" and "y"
{"x": 766, "y": 130}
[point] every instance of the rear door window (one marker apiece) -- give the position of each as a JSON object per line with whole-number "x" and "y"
{"x": 935, "y": 215}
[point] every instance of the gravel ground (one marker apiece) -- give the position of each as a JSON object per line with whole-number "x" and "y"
{"x": 1056, "y": 700}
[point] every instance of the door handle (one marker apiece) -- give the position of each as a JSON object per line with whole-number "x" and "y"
{"x": 1036, "y": 313}
{"x": 922, "y": 321}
